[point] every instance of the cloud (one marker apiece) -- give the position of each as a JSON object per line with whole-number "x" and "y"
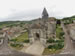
{"x": 31, "y": 9}
{"x": 31, "y": 14}
{"x": 23, "y": 15}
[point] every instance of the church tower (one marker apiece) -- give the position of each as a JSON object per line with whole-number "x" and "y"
{"x": 45, "y": 14}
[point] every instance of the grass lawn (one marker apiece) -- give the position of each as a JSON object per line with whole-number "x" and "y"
{"x": 51, "y": 51}
{"x": 1, "y": 26}
{"x": 21, "y": 38}
{"x": 58, "y": 31}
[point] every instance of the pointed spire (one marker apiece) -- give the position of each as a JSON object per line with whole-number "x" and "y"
{"x": 44, "y": 14}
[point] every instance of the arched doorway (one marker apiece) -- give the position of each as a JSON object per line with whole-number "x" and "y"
{"x": 37, "y": 36}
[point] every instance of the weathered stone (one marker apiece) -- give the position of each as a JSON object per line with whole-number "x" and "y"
{"x": 42, "y": 29}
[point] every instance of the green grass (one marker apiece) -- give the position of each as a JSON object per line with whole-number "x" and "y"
{"x": 58, "y": 30}
{"x": 21, "y": 38}
{"x": 73, "y": 18}
{"x": 13, "y": 23}
{"x": 51, "y": 51}
{"x": 1, "y": 26}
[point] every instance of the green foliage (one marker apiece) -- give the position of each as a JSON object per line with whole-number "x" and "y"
{"x": 58, "y": 41}
{"x": 68, "y": 20}
{"x": 50, "y": 40}
{"x": 62, "y": 33}
{"x": 16, "y": 45}
{"x": 59, "y": 44}
{"x": 73, "y": 18}
{"x": 13, "y": 23}
{"x": 14, "y": 40}
{"x": 54, "y": 41}
{"x": 26, "y": 41}
{"x": 56, "y": 46}
{"x": 59, "y": 32}
{"x": 22, "y": 38}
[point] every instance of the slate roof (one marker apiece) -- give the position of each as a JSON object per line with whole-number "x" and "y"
{"x": 45, "y": 13}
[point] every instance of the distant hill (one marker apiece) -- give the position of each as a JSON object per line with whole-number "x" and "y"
{"x": 13, "y": 23}
{"x": 69, "y": 18}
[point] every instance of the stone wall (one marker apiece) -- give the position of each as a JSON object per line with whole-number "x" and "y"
{"x": 32, "y": 35}
{"x": 72, "y": 33}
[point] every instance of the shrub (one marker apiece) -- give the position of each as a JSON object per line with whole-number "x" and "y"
{"x": 16, "y": 45}
{"x": 56, "y": 46}
{"x": 26, "y": 41}
{"x": 57, "y": 41}
{"x": 14, "y": 40}
{"x": 53, "y": 46}
{"x": 50, "y": 40}
{"x": 50, "y": 47}
{"x": 61, "y": 45}
{"x": 62, "y": 33}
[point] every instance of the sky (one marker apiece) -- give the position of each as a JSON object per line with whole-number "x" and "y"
{"x": 11, "y": 10}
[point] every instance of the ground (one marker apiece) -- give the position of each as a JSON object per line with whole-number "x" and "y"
{"x": 68, "y": 50}
{"x": 19, "y": 41}
{"x": 22, "y": 37}
{"x": 58, "y": 42}
{"x": 50, "y": 51}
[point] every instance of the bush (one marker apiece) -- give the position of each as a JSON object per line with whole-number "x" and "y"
{"x": 50, "y": 40}
{"x": 62, "y": 33}
{"x": 56, "y": 46}
{"x": 16, "y": 45}
{"x": 61, "y": 45}
{"x": 53, "y": 47}
{"x": 14, "y": 40}
{"x": 26, "y": 41}
{"x": 50, "y": 47}
{"x": 57, "y": 41}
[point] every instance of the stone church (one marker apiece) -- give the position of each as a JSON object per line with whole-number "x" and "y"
{"x": 42, "y": 29}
